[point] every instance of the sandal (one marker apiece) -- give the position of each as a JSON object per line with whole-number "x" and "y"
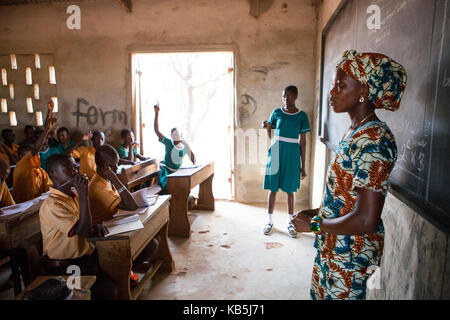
{"x": 292, "y": 231}
{"x": 268, "y": 229}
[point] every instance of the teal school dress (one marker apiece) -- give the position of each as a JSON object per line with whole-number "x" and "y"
{"x": 283, "y": 164}
{"x": 172, "y": 162}
{"x": 43, "y": 156}
{"x": 123, "y": 152}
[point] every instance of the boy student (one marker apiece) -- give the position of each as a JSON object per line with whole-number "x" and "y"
{"x": 66, "y": 224}
{"x": 176, "y": 149}
{"x": 63, "y": 138}
{"x": 127, "y": 151}
{"x": 87, "y": 154}
{"x": 5, "y": 196}
{"x": 8, "y": 149}
{"x": 29, "y": 179}
{"x": 106, "y": 191}
{"x": 29, "y": 135}
{"x": 48, "y": 150}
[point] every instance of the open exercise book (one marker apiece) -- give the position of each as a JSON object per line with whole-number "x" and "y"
{"x": 24, "y": 206}
{"x": 125, "y": 221}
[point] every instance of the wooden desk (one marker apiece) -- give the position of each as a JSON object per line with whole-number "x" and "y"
{"x": 84, "y": 293}
{"x": 117, "y": 253}
{"x": 133, "y": 176}
{"x": 179, "y": 184}
{"x": 14, "y": 229}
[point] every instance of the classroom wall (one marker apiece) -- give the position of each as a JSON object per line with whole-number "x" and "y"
{"x": 274, "y": 50}
{"x": 416, "y": 258}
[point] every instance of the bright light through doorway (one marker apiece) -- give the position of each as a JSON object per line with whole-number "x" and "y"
{"x": 195, "y": 91}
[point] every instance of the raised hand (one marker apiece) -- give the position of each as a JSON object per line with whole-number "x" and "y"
{"x": 157, "y": 108}
{"x": 86, "y": 136}
{"x": 50, "y": 122}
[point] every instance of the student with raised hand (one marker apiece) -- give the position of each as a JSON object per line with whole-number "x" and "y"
{"x": 63, "y": 138}
{"x": 63, "y": 144}
{"x": 29, "y": 135}
{"x": 5, "y": 196}
{"x": 176, "y": 149}
{"x": 87, "y": 154}
{"x": 66, "y": 224}
{"x": 127, "y": 150}
{"x": 29, "y": 179}
{"x": 106, "y": 191}
{"x": 8, "y": 149}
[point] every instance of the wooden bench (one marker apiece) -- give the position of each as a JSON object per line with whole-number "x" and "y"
{"x": 15, "y": 230}
{"x": 117, "y": 253}
{"x": 146, "y": 171}
{"x": 179, "y": 185}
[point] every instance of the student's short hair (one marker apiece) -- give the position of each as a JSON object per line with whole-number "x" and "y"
{"x": 292, "y": 89}
{"x": 28, "y": 127}
{"x": 5, "y": 132}
{"x": 63, "y": 129}
{"x": 104, "y": 153}
{"x": 55, "y": 160}
{"x": 98, "y": 132}
{"x": 124, "y": 132}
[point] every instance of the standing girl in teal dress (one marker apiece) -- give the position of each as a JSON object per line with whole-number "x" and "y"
{"x": 284, "y": 170}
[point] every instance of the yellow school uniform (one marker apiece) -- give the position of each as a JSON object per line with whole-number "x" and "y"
{"x": 5, "y": 196}
{"x": 103, "y": 199}
{"x": 58, "y": 215}
{"x": 13, "y": 150}
{"x": 29, "y": 179}
{"x": 87, "y": 159}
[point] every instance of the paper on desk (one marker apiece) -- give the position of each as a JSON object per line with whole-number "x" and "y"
{"x": 122, "y": 213}
{"x": 192, "y": 167}
{"x": 21, "y": 207}
{"x": 123, "y": 224}
{"x": 144, "y": 198}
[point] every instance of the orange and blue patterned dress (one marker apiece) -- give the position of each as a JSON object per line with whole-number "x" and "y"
{"x": 364, "y": 160}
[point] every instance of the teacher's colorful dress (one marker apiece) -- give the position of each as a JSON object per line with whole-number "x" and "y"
{"x": 363, "y": 160}
{"x": 283, "y": 164}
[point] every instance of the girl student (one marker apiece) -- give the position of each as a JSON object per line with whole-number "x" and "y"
{"x": 286, "y": 157}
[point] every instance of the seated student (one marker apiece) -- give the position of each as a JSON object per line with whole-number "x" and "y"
{"x": 176, "y": 149}
{"x": 64, "y": 141}
{"x": 87, "y": 154}
{"x": 8, "y": 149}
{"x": 29, "y": 135}
{"x": 106, "y": 191}
{"x": 66, "y": 224}
{"x": 5, "y": 196}
{"x": 29, "y": 179}
{"x": 127, "y": 151}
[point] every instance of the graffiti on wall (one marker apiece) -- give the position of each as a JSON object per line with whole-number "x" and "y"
{"x": 97, "y": 117}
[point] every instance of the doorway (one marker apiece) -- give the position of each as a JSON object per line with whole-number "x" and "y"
{"x": 195, "y": 91}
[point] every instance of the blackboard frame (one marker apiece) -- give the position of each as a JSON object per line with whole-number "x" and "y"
{"x": 434, "y": 215}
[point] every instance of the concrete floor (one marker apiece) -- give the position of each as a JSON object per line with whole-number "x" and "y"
{"x": 228, "y": 257}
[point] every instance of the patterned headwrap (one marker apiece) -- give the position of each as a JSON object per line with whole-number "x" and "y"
{"x": 385, "y": 77}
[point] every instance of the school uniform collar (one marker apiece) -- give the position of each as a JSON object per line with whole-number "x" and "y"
{"x": 55, "y": 193}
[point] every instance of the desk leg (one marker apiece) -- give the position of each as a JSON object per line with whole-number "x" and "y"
{"x": 164, "y": 250}
{"x": 205, "y": 195}
{"x": 15, "y": 272}
{"x": 179, "y": 225}
{"x": 115, "y": 260}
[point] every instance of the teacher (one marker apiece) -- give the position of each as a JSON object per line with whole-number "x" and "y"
{"x": 348, "y": 226}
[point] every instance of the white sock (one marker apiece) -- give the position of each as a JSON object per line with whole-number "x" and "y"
{"x": 270, "y": 218}
{"x": 290, "y": 218}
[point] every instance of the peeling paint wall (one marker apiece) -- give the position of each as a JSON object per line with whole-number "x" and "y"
{"x": 416, "y": 257}
{"x": 93, "y": 63}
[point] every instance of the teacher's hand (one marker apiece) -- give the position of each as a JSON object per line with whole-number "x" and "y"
{"x": 301, "y": 222}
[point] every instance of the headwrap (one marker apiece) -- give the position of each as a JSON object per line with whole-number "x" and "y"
{"x": 385, "y": 77}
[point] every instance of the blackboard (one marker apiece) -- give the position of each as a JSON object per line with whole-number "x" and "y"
{"x": 415, "y": 33}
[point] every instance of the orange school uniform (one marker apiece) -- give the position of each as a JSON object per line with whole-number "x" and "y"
{"x": 5, "y": 196}
{"x": 87, "y": 159}
{"x": 58, "y": 215}
{"x": 29, "y": 179}
{"x": 13, "y": 150}
{"x": 103, "y": 199}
